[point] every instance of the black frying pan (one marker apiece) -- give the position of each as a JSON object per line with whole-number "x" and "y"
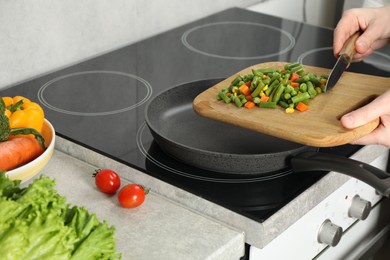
{"x": 220, "y": 147}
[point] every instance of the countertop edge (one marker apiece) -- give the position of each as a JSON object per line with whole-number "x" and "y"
{"x": 256, "y": 233}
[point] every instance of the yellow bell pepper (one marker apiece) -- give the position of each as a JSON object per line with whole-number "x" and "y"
{"x": 23, "y": 113}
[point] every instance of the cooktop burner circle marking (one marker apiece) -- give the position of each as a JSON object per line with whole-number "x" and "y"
{"x": 144, "y": 152}
{"x": 47, "y": 84}
{"x": 307, "y": 53}
{"x": 285, "y": 33}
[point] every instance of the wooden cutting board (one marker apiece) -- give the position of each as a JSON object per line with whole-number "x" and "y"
{"x": 319, "y": 126}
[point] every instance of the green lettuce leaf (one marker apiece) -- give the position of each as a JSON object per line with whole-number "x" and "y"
{"x": 37, "y": 223}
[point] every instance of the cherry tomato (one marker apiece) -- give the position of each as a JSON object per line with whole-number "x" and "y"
{"x": 131, "y": 196}
{"x": 107, "y": 181}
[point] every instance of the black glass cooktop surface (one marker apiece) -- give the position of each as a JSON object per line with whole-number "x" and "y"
{"x": 99, "y": 103}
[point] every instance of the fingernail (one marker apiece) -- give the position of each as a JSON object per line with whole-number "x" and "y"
{"x": 362, "y": 46}
{"x": 347, "y": 120}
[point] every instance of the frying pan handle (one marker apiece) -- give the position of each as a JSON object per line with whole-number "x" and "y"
{"x": 312, "y": 161}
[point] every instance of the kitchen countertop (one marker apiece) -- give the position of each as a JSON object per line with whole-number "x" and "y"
{"x": 256, "y": 233}
{"x": 159, "y": 229}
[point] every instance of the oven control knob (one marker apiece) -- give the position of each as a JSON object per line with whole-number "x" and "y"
{"x": 329, "y": 233}
{"x": 359, "y": 208}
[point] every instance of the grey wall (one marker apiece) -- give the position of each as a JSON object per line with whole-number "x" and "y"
{"x": 39, "y": 36}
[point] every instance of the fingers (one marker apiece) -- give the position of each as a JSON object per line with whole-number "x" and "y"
{"x": 347, "y": 26}
{"x": 379, "y": 136}
{"x": 379, "y": 108}
{"x": 375, "y": 109}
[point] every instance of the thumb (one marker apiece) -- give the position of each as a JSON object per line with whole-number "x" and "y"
{"x": 364, "y": 114}
{"x": 365, "y": 42}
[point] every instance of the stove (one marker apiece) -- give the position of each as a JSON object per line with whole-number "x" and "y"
{"x": 99, "y": 103}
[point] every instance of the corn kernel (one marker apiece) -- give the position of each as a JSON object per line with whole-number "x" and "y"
{"x": 290, "y": 110}
{"x": 262, "y": 94}
{"x": 264, "y": 76}
{"x": 265, "y": 87}
{"x": 235, "y": 89}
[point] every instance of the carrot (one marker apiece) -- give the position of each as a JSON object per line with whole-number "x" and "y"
{"x": 264, "y": 98}
{"x": 294, "y": 84}
{"x": 244, "y": 89}
{"x": 294, "y": 77}
{"x": 18, "y": 151}
{"x": 249, "y": 104}
{"x": 248, "y": 98}
{"x": 301, "y": 106}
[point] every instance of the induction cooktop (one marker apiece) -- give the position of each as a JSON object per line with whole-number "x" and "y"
{"x": 99, "y": 103}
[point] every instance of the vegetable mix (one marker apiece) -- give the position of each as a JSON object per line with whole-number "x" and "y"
{"x": 37, "y": 223}
{"x": 21, "y": 140}
{"x": 289, "y": 87}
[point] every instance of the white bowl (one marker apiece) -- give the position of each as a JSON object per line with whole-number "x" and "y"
{"x": 32, "y": 168}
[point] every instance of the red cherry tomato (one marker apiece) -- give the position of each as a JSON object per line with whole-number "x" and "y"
{"x": 131, "y": 195}
{"x": 107, "y": 181}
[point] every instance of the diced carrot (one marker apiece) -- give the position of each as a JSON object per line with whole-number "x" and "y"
{"x": 248, "y": 98}
{"x": 301, "y": 106}
{"x": 294, "y": 84}
{"x": 294, "y": 77}
{"x": 244, "y": 89}
{"x": 249, "y": 104}
{"x": 264, "y": 98}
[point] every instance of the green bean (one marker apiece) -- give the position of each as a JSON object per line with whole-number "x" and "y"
{"x": 283, "y": 104}
{"x": 266, "y": 81}
{"x": 254, "y": 82}
{"x": 310, "y": 89}
{"x": 267, "y": 104}
{"x": 248, "y": 77}
{"x": 296, "y": 68}
{"x": 225, "y": 98}
{"x": 294, "y": 93}
{"x": 265, "y": 70}
{"x": 285, "y": 79}
{"x": 256, "y": 100}
{"x": 278, "y": 93}
{"x": 237, "y": 101}
{"x": 236, "y": 81}
{"x": 303, "y": 79}
{"x": 300, "y": 71}
{"x": 271, "y": 87}
{"x": 288, "y": 89}
{"x": 315, "y": 80}
{"x": 289, "y": 66}
{"x": 300, "y": 97}
{"x": 258, "y": 89}
{"x": 303, "y": 87}
{"x": 257, "y": 73}
{"x": 275, "y": 76}
{"x": 223, "y": 91}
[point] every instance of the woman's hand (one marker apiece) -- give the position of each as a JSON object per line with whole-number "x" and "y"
{"x": 374, "y": 24}
{"x": 380, "y": 107}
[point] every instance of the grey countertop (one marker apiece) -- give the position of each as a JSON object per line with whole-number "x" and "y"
{"x": 256, "y": 233}
{"x": 158, "y": 229}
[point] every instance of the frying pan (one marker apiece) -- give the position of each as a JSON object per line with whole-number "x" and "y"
{"x": 234, "y": 151}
